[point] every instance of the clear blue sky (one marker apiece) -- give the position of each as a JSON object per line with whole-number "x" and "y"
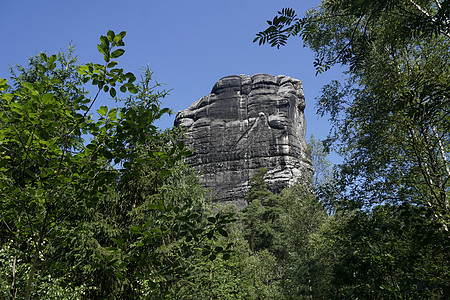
{"x": 189, "y": 45}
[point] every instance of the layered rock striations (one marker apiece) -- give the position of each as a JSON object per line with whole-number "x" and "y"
{"x": 244, "y": 124}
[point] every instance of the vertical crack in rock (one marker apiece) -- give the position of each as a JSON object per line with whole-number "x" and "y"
{"x": 244, "y": 124}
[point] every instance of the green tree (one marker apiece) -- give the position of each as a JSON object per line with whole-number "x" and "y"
{"x": 390, "y": 122}
{"x": 246, "y": 275}
{"x": 46, "y": 177}
{"x": 322, "y": 166}
{"x": 390, "y": 115}
{"x": 301, "y": 216}
{"x": 260, "y": 215}
{"x": 109, "y": 206}
{"x": 280, "y": 228}
{"x": 353, "y": 23}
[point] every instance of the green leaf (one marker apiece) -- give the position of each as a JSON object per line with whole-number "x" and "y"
{"x": 104, "y": 41}
{"x": 118, "y": 242}
{"x": 117, "y": 38}
{"x": 3, "y": 84}
{"x": 119, "y": 276}
{"x": 112, "y": 92}
{"x": 47, "y": 98}
{"x": 28, "y": 86}
{"x": 52, "y": 59}
{"x": 111, "y": 35}
{"x": 103, "y": 110}
{"x": 154, "y": 206}
{"x": 117, "y": 53}
{"x": 102, "y": 49}
{"x": 44, "y": 56}
{"x": 223, "y": 232}
{"x": 193, "y": 216}
{"x": 84, "y": 70}
{"x": 16, "y": 107}
{"x": 112, "y": 64}
{"x": 133, "y": 89}
{"x": 136, "y": 230}
{"x": 146, "y": 224}
{"x": 113, "y": 114}
{"x": 7, "y": 97}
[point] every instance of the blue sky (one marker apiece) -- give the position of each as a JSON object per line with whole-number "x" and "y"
{"x": 189, "y": 45}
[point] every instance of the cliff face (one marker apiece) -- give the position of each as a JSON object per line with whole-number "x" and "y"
{"x": 244, "y": 124}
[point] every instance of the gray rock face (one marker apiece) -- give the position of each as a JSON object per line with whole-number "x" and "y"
{"x": 244, "y": 124}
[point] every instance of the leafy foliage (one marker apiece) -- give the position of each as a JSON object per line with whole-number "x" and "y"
{"x": 282, "y": 226}
{"x": 113, "y": 216}
{"x": 391, "y": 252}
{"x": 390, "y": 122}
{"x": 353, "y": 21}
{"x": 260, "y": 214}
{"x": 396, "y": 94}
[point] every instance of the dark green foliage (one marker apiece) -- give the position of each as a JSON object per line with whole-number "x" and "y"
{"x": 261, "y": 214}
{"x": 393, "y": 252}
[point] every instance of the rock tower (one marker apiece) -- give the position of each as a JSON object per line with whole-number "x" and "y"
{"x": 244, "y": 124}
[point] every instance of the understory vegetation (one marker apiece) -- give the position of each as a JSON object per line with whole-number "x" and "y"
{"x": 100, "y": 204}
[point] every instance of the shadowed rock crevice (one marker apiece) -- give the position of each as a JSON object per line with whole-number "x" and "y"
{"x": 244, "y": 124}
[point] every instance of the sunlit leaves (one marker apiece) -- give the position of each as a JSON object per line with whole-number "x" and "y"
{"x": 103, "y": 110}
{"x": 107, "y": 76}
{"x": 48, "y": 174}
{"x": 61, "y": 159}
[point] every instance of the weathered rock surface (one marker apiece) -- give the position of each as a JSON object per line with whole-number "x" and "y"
{"x": 244, "y": 124}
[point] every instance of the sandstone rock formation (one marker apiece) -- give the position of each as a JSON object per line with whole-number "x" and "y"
{"x": 244, "y": 124}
